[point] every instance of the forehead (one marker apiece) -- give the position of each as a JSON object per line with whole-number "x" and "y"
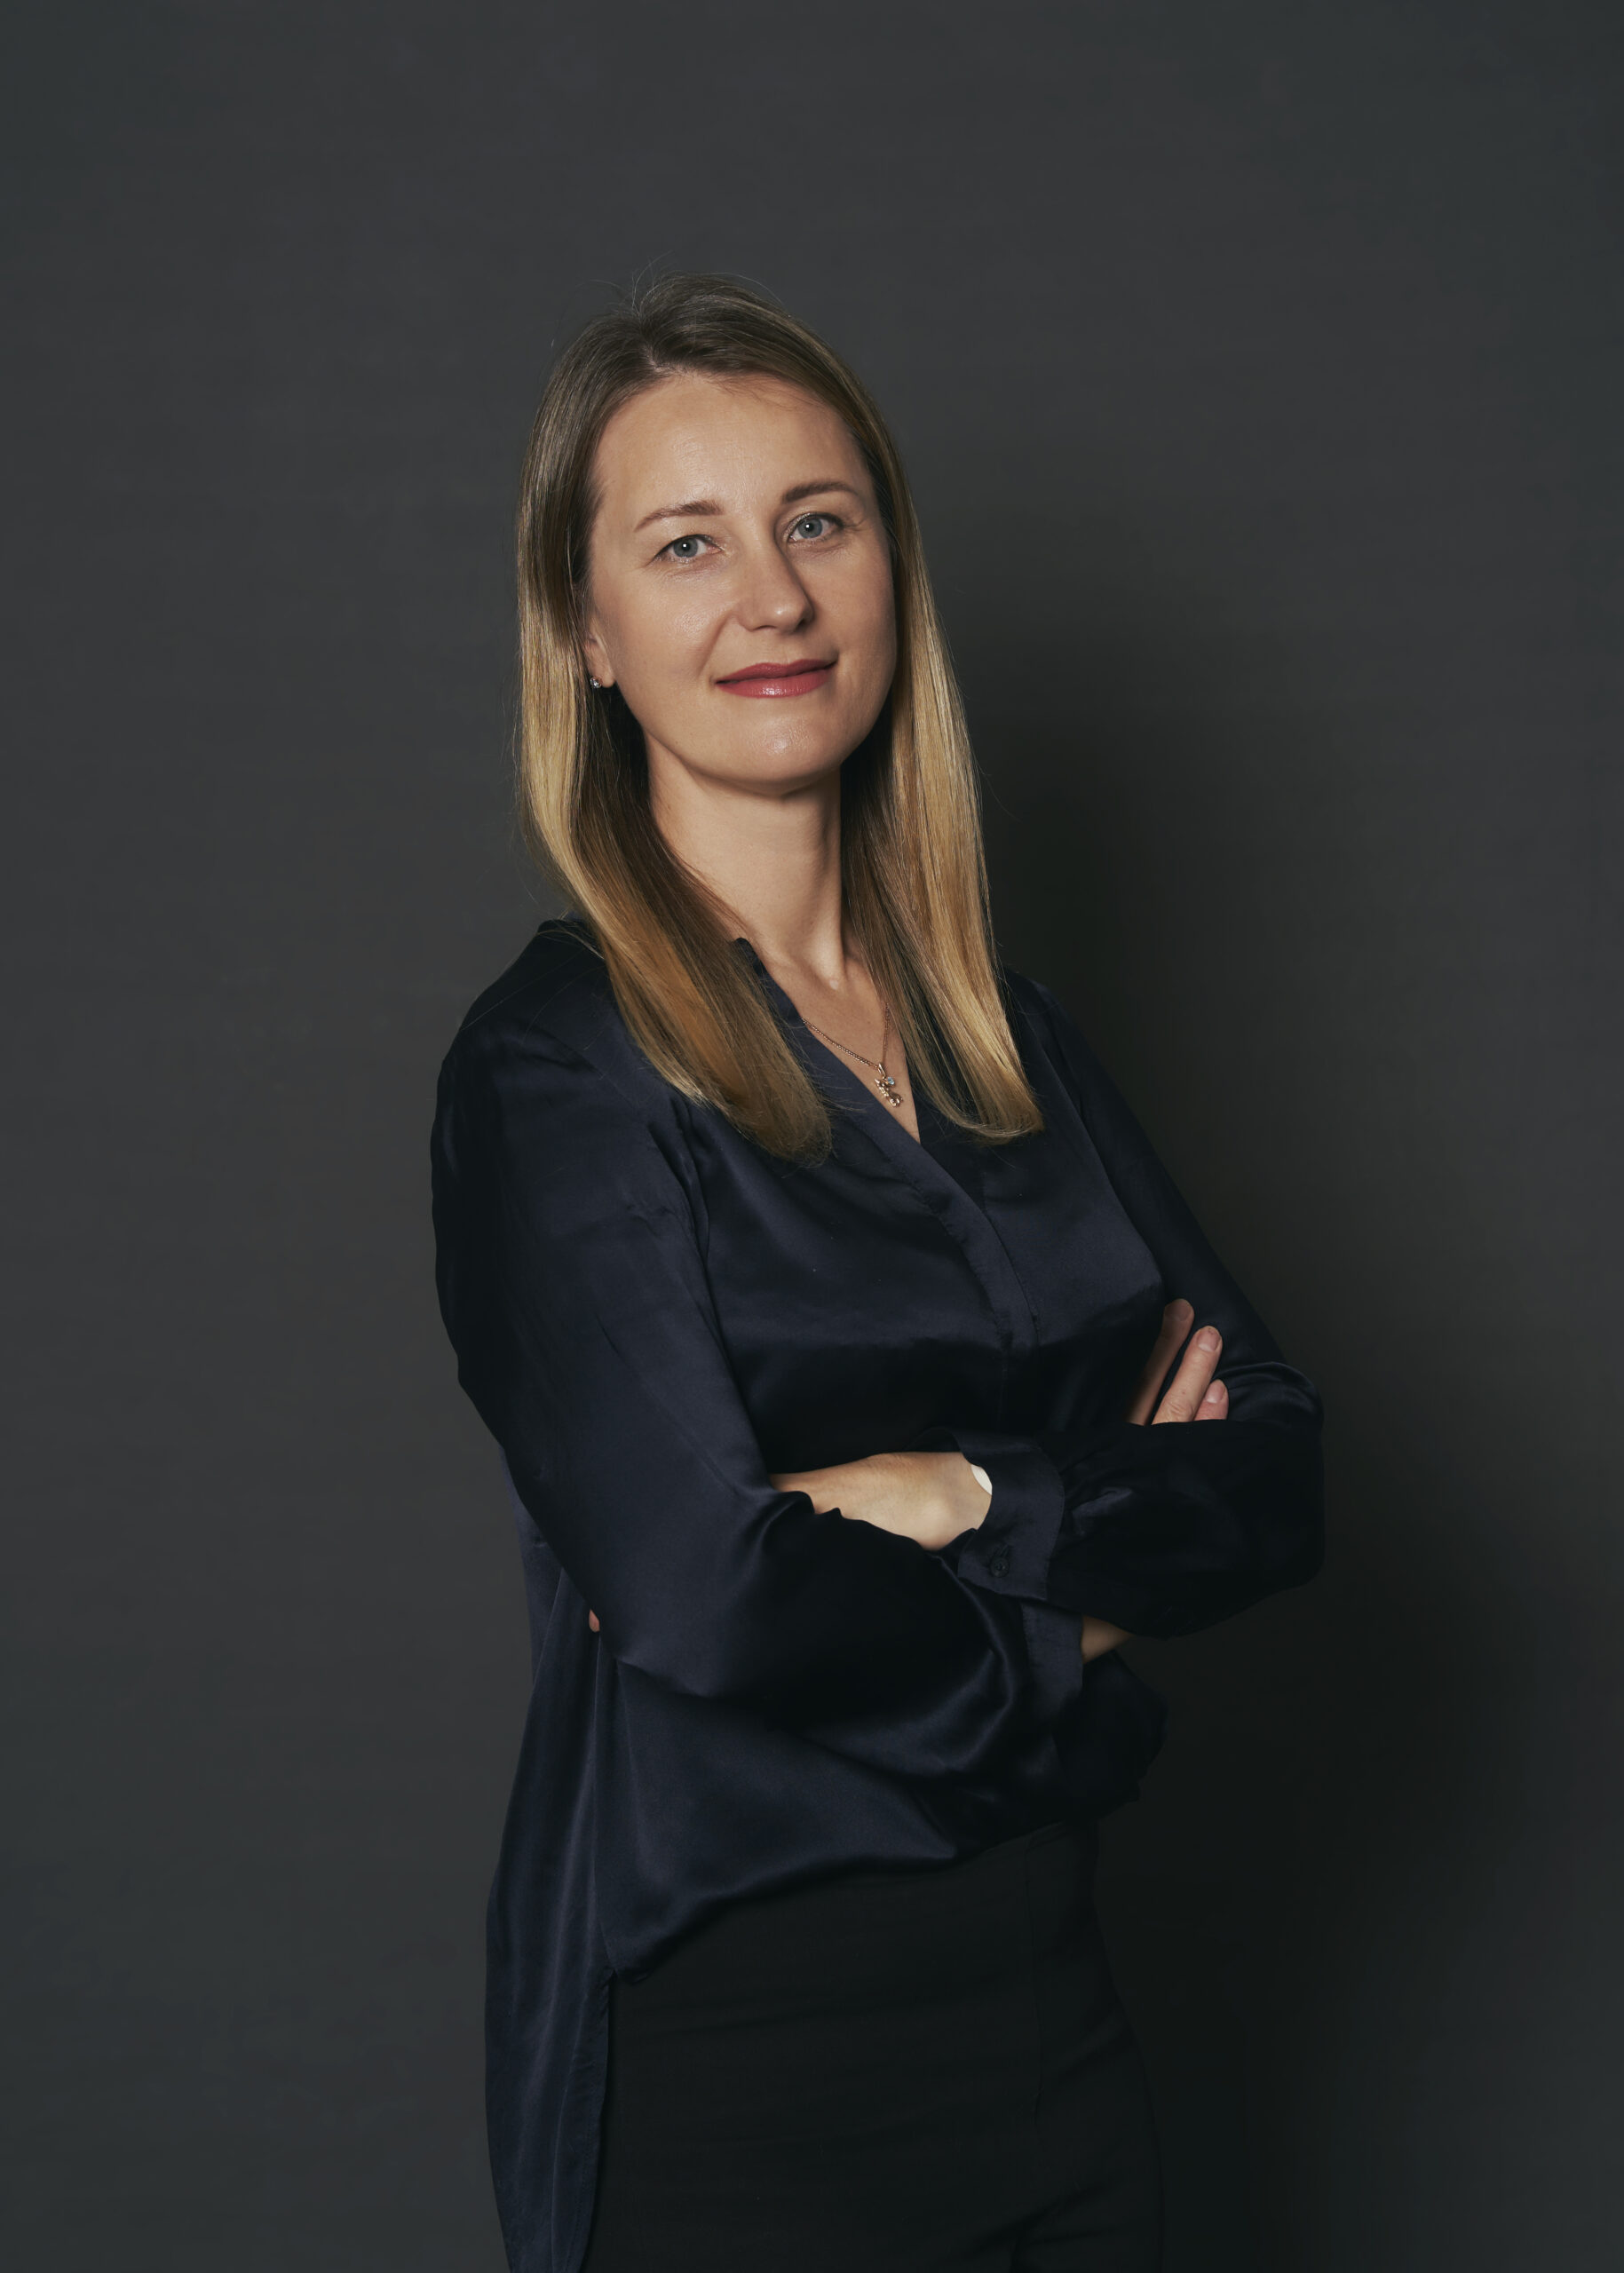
{"x": 731, "y": 440}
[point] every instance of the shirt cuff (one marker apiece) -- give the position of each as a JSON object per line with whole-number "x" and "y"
{"x": 1011, "y": 1551}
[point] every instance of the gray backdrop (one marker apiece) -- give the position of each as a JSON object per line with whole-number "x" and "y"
{"x": 1259, "y": 368}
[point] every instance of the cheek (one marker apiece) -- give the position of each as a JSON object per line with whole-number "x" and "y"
{"x": 653, "y": 637}
{"x": 888, "y": 611}
{"x": 663, "y": 636}
{"x": 872, "y": 624}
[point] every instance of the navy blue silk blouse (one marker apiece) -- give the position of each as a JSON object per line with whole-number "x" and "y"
{"x": 653, "y": 1315}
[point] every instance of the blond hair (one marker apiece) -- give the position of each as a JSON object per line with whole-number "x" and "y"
{"x": 913, "y": 870}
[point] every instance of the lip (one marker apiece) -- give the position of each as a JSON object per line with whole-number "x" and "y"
{"x": 803, "y": 676}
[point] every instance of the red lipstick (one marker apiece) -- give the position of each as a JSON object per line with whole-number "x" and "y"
{"x": 799, "y": 677}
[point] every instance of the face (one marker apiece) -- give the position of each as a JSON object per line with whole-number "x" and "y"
{"x": 741, "y": 592}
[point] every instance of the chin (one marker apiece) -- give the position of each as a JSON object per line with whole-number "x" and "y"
{"x": 791, "y": 761}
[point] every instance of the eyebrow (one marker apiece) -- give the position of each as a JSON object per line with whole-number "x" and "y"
{"x": 699, "y": 509}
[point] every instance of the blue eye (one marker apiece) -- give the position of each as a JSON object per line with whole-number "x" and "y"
{"x": 687, "y": 547}
{"x": 811, "y": 525}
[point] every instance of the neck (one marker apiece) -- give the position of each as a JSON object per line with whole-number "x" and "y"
{"x": 772, "y": 857}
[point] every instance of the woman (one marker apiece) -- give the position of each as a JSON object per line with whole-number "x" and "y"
{"x": 818, "y": 1289}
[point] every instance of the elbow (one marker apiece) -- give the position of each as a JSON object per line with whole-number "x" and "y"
{"x": 1275, "y": 1564}
{"x": 1294, "y": 1564}
{"x": 726, "y": 1670}
{"x": 692, "y": 1664}
{"x": 722, "y": 1661}
{"x": 1292, "y": 1549}
{"x": 1309, "y": 1559}
{"x": 1281, "y": 1545}
{"x": 1268, "y": 1532}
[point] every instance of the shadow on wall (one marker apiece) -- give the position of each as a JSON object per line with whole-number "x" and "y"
{"x": 1183, "y": 844}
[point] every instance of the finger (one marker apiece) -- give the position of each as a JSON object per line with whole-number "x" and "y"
{"x": 1215, "y": 1405}
{"x": 591, "y": 1619}
{"x": 1190, "y": 1383}
{"x": 1176, "y": 1321}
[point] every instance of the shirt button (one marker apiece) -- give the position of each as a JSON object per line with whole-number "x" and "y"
{"x": 999, "y": 1564}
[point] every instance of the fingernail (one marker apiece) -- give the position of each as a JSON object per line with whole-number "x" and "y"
{"x": 1209, "y": 1338}
{"x": 1215, "y": 1395}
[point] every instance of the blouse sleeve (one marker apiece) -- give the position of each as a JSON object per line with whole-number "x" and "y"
{"x": 574, "y": 1292}
{"x": 1165, "y": 1529}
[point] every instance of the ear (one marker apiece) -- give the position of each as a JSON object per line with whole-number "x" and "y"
{"x": 595, "y": 657}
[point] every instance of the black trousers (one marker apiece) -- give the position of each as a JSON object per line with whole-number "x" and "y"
{"x": 920, "y": 2073}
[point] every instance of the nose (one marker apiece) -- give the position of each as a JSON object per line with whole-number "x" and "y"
{"x": 773, "y": 599}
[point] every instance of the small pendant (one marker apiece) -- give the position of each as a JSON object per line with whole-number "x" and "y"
{"x": 887, "y": 1088}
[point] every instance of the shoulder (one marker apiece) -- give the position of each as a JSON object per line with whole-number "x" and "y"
{"x": 554, "y": 1004}
{"x": 558, "y": 977}
{"x": 1027, "y": 997}
{"x": 542, "y": 1066}
{"x": 1055, "y": 1050}
{"x": 1039, "y": 1020}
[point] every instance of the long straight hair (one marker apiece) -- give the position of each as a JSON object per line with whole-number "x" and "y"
{"x": 913, "y": 869}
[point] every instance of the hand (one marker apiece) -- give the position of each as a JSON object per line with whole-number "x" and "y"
{"x": 1194, "y": 1395}
{"x": 927, "y": 1497}
{"x": 1099, "y": 1636}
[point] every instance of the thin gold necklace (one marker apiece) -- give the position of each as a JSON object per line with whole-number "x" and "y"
{"x": 886, "y": 1083}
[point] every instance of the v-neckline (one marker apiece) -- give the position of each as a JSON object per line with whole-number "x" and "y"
{"x": 784, "y": 1003}
{"x": 963, "y": 1214}
{"x": 915, "y": 1155}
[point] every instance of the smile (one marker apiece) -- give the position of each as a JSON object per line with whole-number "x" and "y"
{"x": 801, "y": 677}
